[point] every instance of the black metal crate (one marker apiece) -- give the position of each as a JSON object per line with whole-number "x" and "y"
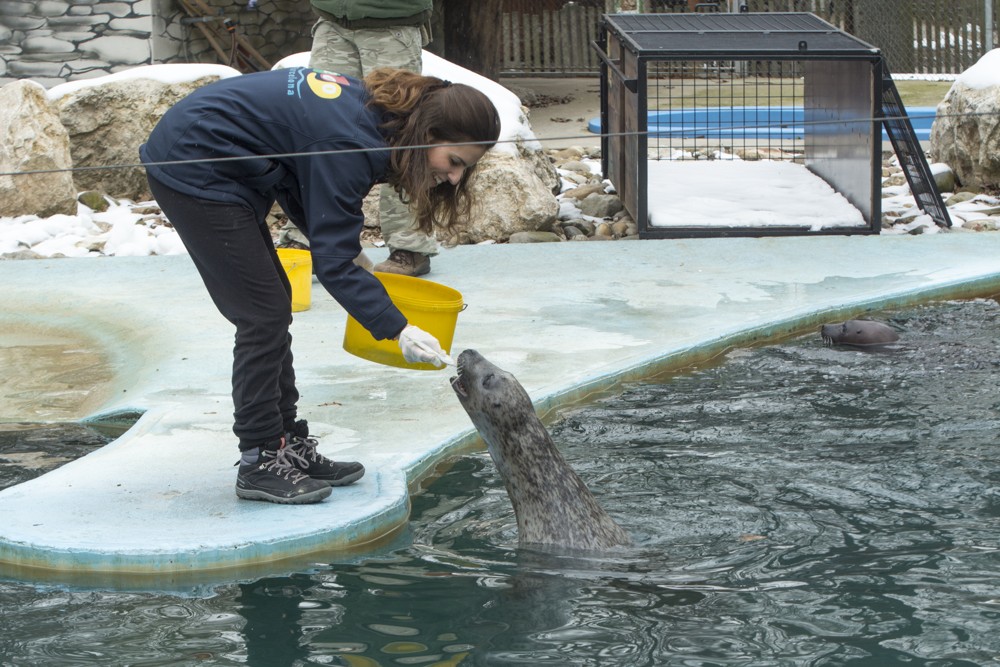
{"x": 765, "y": 88}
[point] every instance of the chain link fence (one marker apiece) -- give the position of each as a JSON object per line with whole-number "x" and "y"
{"x": 552, "y": 37}
{"x": 915, "y": 36}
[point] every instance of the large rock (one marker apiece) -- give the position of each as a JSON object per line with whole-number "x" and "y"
{"x": 108, "y": 118}
{"x": 509, "y": 196}
{"x": 513, "y": 191}
{"x": 540, "y": 164}
{"x": 966, "y": 130}
{"x": 32, "y": 138}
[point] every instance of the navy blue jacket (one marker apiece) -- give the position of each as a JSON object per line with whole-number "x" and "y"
{"x": 280, "y": 115}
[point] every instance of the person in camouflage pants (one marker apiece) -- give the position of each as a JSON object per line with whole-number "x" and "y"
{"x": 353, "y": 37}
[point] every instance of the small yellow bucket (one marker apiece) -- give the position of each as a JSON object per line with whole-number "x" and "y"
{"x": 431, "y": 306}
{"x": 298, "y": 265}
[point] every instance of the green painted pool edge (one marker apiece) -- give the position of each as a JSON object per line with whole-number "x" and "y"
{"x": 85, "y": 567}
{"x": 704, "y": 351}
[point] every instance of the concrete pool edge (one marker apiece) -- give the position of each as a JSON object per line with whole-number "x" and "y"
{"x": 381, "y": 526}
{"x": 595, "y": 373}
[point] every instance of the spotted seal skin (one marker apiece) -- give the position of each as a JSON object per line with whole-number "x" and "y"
{"x": 858, "y": 332}
{"x": 554, "y": 508}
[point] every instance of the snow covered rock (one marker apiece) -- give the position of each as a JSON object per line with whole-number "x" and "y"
{"x": 110, "y": 117}
{"x": 966, "y": 131}
{"x": 509, "y": 197}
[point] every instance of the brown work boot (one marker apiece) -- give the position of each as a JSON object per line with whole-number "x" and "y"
{"x": 406, "y": 263}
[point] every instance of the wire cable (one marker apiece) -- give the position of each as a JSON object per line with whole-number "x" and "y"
{"x": 519, "y": 140}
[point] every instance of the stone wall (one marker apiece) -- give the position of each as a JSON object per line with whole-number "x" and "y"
{"x": 54, "y": 41}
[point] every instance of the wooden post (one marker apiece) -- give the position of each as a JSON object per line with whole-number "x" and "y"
{"x": 243, "y": 55}
{"x": 205, "y": 31}
{"x": 473, "y": 37}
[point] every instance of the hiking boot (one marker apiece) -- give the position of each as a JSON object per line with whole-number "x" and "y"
{"x": 405, "y": 263}
{"x": 312, "y": 463}
{"x": 274, "y": 478}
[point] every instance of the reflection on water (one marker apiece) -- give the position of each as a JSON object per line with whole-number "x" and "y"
{"x": 51, "y": 374}
{"x": 796, "y": 504}
{"x": 30, "y": 450}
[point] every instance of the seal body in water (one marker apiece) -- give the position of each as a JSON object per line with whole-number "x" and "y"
{"x": 553, "y": 506}
{"x": 858, "y": 332}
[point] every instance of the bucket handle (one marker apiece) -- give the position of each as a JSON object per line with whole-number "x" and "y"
{"x": 464, "y": 306}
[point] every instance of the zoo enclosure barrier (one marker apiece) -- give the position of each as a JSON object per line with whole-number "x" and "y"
{"x": 765, "y": 87}
{"x": 553, "y": 37}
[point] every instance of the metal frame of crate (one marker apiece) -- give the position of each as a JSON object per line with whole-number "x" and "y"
{"x": 840, "y": 94}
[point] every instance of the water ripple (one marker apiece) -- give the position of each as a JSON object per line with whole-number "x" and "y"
{"x": 794, "y": 504}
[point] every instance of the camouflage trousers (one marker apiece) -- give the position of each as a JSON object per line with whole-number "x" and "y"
{"x": 355, "y": 53}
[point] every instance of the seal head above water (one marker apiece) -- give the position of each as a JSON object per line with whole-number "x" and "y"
{"x": 858, "y": 332}
{"x": 552, "y": 505}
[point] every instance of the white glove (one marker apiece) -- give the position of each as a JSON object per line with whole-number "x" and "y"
{"x": 418, "y": 346}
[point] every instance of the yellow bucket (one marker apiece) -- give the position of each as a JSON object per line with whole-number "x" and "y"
{"x": 298, "y": 265}
{"x": 431, "y": 306}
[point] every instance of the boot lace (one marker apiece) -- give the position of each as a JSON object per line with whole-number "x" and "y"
{"x": 305, "y": 448}
{"x": 283, "y": 465}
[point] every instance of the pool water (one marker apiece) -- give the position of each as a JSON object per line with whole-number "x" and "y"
{"x": 791, "y": 504}
{"x": 30, "y": 450}
{"x": 754, "y": 123}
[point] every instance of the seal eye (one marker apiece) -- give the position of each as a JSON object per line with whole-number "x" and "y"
{"x": 488, "y": 380}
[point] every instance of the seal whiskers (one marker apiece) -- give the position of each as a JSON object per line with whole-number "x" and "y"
{"x": 552, "y": 505}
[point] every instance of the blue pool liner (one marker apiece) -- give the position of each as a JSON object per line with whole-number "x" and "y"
{"x": 755, "y": 123}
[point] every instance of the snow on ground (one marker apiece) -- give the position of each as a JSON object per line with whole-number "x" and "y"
{"x": 924, "y": 77}
{"x": 121, "y": 230}
{"x": 759, "y": 193}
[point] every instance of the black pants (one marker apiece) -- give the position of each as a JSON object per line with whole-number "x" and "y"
{"x": 235, "y": 256}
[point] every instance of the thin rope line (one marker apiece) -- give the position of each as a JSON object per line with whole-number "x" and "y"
{"x": 589, "y": 135}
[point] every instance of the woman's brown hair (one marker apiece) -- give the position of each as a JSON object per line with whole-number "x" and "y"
{"x": 423, "y": 110}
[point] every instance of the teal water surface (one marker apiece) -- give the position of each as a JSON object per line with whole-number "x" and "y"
{"x": 793, "y": 504}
